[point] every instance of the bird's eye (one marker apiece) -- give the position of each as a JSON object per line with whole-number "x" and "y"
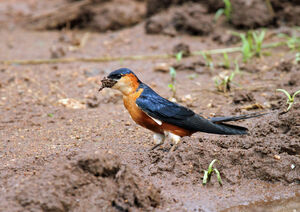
{"x": 115, "y": 76}
{"x": 118, "y": 76}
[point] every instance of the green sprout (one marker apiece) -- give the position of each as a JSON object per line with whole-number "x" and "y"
{"x": 251, "y": 43}
{"x": 226, "y": 62}
{"x": 293, "y": 42}
{"x": 291, "y": 99}
{"x": 172, "y": 72}
{"x": 208, "y": 173}
{"x": 179, "y": 56}
{"x": 246, "y": 47}
{"x": 226, "y": 11}
{"x": 208, "y": 60}
{"x": 258, "y": 40}
{"x": 223, "y": 81}
{"x": 237, "y": 67}
{"x": 50, "y": 115}
{"x": 173, "y": 81}
{"x": 297, "y": 58}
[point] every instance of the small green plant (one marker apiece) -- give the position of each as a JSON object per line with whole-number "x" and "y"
{"x": 258, "y": 40}
{"x": 208, "y": 173}
{"x": 237, "y": 67}
{"x": 293, "y": 42}
{"x": 246, "y": 47}
{"x": 226, "y": 62}
{"x": 50, "y": 115}
{"x": 251, "y": 43}
{"x": 179, "y": 56}
{"x": 208, "y": 60}
{"x": 172, "y": 71}
{"x": 172, "y": 85}
{"x": 223, "y": 81}
{"x": 291, "y": 99}
{"x": 226, "y": 11}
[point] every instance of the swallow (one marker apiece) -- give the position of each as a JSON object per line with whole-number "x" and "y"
{"x": 163, "y": 117}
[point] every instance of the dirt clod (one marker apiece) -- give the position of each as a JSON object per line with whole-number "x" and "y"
{"x": 182, "y": 47}
{"x": 241, "y": 97}
{"x": 250, "y": 15}
{"x": 190, "y": 19}
{"x": 107, "y": 83}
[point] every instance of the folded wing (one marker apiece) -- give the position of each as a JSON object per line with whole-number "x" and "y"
{"x": 166, "y": 111}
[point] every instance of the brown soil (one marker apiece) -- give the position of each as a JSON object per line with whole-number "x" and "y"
{"x": 197, "y": 18}
{"x": 191, "y": 18}
{"x": 70, "y": 183}
{"x": 255, "y": 14}
{"x": 67, "y": 147}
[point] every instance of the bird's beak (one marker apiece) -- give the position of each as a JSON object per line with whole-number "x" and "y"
{"x": 107, "y": 83}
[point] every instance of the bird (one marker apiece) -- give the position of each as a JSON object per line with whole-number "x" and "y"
{"x": 163, "y": 117}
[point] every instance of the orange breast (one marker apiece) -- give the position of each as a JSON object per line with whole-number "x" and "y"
{"x": 144, "y": 120}
{"x": 138, "y": 115}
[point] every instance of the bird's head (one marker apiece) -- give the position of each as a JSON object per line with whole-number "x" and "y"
{"x": 122, "y": 79}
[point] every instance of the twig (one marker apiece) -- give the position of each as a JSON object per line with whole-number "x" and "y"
{"x": 134, "y": 57}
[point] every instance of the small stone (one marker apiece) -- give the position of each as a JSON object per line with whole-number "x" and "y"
{"x": 277, "y": 157}
{"x": 209, "y": 105}
{"x": 162, "y": 67}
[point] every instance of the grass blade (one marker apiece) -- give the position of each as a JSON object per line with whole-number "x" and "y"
{"x": 297, "y": 92}
{"x": 210, "y": 169}
{"x": 205, "y": 177}
{"x": 218, "y": 14}
{"x": 285, "y": 92}
{"x": 218, "y": 176}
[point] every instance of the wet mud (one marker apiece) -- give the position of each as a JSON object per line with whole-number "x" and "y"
{"x": 67, "y": 147}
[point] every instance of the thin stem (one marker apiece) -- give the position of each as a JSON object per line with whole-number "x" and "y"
{"x": 134, "y": 57}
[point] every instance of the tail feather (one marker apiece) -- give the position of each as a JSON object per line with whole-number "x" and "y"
{"x": 216, "y": 125}
{"x": 230, "y": 129}
{"x": 235, "y": 118}
{"x": 200, "y": 124}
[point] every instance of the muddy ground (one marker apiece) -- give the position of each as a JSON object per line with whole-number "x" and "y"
{"x": 67, "y": 147}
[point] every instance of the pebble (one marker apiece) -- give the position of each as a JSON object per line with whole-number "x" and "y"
{"x": 162, "y": 67}
{"x": 277, "y": 157}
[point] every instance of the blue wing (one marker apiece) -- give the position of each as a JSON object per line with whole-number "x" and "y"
{"x": 161, "y": 108}
{"x": 166, "y": 111}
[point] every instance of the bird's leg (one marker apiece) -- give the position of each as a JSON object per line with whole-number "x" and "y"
{"x": 175, "y": 139}
{"x": 158, "y": 140}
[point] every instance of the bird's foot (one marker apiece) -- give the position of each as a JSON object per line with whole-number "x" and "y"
{"x": 155, "y": 146}
{"x": 175, "y": 140}
{"x": 173, "y": 148}
{"x": 158, "y": 140}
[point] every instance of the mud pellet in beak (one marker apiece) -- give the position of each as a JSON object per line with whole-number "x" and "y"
{"x": 107, "y": 83}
